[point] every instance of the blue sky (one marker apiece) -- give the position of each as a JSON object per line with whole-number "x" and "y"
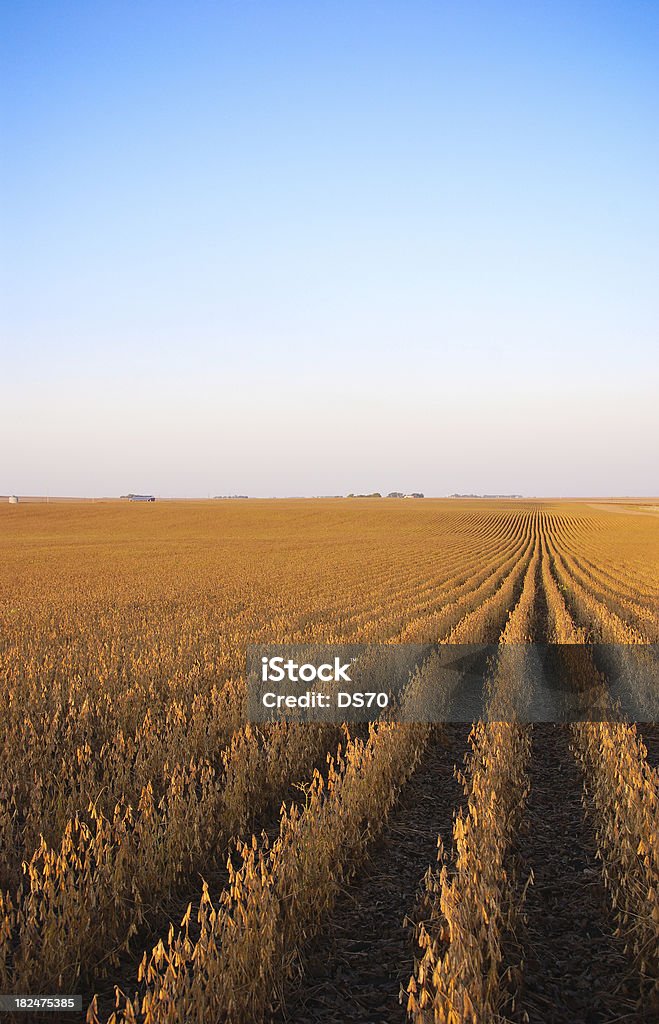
{"x": 299, "y": 248}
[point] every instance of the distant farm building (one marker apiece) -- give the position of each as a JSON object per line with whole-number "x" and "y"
{"x": 140, "y": 497}
{"x": 13, "y": 500}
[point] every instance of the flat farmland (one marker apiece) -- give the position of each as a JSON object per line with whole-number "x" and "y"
{"x": 174, "y": 864}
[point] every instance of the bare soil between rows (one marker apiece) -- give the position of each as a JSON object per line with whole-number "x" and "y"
{"x": 575, "y": 969}
{"x": 355, "y": 970}
{"x": 649, "y": 732}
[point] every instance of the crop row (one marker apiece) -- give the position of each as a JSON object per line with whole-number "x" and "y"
{"x": 471, "y": 902}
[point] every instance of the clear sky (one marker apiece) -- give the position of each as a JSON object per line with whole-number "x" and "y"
{"x": 311, "y": 248}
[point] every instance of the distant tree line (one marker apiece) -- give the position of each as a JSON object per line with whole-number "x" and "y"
{"x": 392, "y": 494}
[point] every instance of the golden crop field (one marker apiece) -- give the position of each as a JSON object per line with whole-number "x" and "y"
{"x": 177, "y": 865}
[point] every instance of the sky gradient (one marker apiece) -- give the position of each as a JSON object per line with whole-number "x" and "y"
{"x": 299, "y": 248}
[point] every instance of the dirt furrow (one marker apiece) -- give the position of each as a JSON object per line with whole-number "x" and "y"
{"x": 354, "y": 971}
{"x": 650, "y": 734}
{"x": 575, "y": 969}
